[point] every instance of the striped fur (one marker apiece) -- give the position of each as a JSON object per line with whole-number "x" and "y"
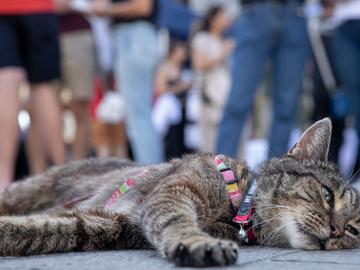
{"x": 181, "y": 208}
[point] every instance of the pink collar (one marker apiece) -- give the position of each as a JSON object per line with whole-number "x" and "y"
{"x": 123, "y": 188}
{"x": 243, "y": 204}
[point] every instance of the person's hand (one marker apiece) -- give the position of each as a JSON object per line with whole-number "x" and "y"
{"x": 328, "y": 12}
{"x": 329, "y": 6}
{"x": 229, "y": 46}
{"x": 62, "y": 6}
{"x": 100, "y": 8}
{"x": 186, "y": 85}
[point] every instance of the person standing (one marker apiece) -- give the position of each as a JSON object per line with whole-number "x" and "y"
{"x": 29, "y": 46}
{"x": 169, "y": 110}
{"x": 210, "y": 53}
{"x": 78, "y": 70}
{"x": 136, "y": 57}
{"x": 346, "y": 54}
{"x": 266, "y": 30}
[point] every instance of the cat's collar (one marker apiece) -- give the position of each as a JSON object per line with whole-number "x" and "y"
{"x": 230, "y": 180}
{"x": 245, "y": 203}
{"x": 245, "y": 212}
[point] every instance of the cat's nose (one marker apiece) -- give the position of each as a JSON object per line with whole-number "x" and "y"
{"x": 335, "y": 231}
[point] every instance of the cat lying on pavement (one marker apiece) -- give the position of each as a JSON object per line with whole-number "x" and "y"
{"x": 186, "y": 208}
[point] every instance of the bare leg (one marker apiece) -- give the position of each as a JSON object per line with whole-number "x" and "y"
{"x": 68, "y": 232}
{"x": 103, "y": 151}
{"x": 81, "y": 143}
{"x": 10, "y": 79}
{"x": 121, "y": 149}
{"x": 35, "y": 150}
{"x": 47, "y": 114}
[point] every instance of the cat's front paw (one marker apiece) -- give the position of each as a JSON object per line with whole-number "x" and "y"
{"x": 204, "y": 252}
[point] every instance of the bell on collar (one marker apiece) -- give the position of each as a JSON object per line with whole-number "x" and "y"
{"x": 243, "y": 234}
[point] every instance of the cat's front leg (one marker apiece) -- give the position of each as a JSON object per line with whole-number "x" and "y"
{"x": 201, "y": 250}
{"x": 223, "y": 230}
{"x": 171, "y": 223}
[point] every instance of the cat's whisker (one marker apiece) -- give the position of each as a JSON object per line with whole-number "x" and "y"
{"x": 271, "y": 207}
{"x": 352, "y": 177}
{"x": 272, "y": 153}
{"x": 268, "y": 208}
{"x": 280, "y": 165}
{"x": 273, "y": 235}
{"x": 263, "y": 212}
{"x": 266, "y": 221}
{"x": 301, "y": 229}
{"x": 274, "y": 156}
{"x": 278, "y": 230}
{"x": 275, "y": 206}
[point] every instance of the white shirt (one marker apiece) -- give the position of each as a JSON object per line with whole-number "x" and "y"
{"x": 344, "y": 11}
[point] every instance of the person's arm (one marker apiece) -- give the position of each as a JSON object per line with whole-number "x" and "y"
{"x": 127, "y": 9}
{"x": 160, "y": 81}
{"x": 202, "y": 62}
{"x": 180, "y": 87}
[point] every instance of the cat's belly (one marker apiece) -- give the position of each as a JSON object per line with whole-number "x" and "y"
{"x": 127, "y": 204}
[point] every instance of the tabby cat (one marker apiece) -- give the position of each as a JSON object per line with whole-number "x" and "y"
{"x": 182, "y": 208}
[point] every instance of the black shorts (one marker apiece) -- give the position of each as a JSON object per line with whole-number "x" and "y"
{"x": 31, "y": 42}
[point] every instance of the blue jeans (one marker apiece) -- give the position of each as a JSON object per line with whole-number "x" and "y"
{"x": 263, "y": 32}
{"x": 136, "y": 57}
{"x": 346, "y": 54}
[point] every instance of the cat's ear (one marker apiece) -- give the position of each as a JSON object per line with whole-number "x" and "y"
{"x": 314, "y": 143}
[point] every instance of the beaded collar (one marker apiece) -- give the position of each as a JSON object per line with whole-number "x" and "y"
{"x": 243, "y": 203}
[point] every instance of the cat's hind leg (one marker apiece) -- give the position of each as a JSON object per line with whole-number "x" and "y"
{"x": 57, "y": 186}
{"x": 26, "y": 196}
{"x": 73, "y": 231}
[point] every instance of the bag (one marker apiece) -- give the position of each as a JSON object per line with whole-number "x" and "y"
{"x": 106, "y": 106}
{"x": 111, "y": 109}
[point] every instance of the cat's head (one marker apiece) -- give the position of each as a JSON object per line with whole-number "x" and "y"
{"x": 303, "y": 202}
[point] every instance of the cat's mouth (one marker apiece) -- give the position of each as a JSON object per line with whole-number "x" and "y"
{"x": 314, "y": 242}
{"x": 322, "y": 244}
{"x": 305, "y": 239}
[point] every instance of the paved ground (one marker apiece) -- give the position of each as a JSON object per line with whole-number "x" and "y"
{"x": 258, "y": 258}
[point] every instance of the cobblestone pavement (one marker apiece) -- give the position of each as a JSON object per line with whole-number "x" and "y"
{"x": 258, "y": 258}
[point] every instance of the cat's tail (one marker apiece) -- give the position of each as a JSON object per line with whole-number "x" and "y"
{"x": 72, "y": 231}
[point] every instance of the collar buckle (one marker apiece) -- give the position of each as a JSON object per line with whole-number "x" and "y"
{"x": 245, "y": 223}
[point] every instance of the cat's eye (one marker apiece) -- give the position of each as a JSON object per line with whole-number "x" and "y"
{"x": 329, "y": 195}
{"x": 352, "y": 230}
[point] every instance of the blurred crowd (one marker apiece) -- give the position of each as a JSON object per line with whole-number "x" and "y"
{"x": 152, "y": 80}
